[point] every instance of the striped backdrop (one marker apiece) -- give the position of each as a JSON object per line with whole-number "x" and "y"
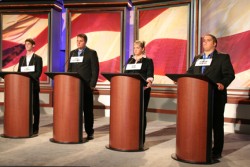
{"x": 103, "y": 30}
{"x": 165, "y": 31}
{"x": 229, "y": 21}
{"x": 15, "y": 29}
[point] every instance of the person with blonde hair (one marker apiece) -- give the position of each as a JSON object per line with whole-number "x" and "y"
{"x": 146, "y": 70}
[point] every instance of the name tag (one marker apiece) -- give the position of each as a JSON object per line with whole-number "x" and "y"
{"x": 76, "y": 59}
{"x": 203, "y": 62}
{"x": 134, "y": 66}
{"x": 28, "y": 68}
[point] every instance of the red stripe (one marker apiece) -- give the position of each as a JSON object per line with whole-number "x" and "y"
{"x": 148, "y": 15}
{"x": 41, "y": 39}
{"x": 44, "y": 77}
{"x": 169, "y": 55}
{"x": 112, "y": 66}
{"x": 237, "y": 46}
{"x": 11, "y": 53}
{"x": 89, "y": 22}
{"x": 41, "y": 16}
{"x": 8, "y": 44}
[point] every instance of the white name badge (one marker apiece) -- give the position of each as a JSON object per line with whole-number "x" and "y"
{"x": 136, "y": 66}
{"x": 28, "y": 68}
{"x": 203, "y": 62}
{"x": 76, "y": 59}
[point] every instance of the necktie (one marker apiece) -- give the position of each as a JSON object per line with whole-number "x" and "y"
{"x": 203, "y": 68}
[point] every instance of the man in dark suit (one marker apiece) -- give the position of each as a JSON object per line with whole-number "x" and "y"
{"x": 221, "y": 72}
{"x": 33, "y": 64}
{"x": 87, "y": 65}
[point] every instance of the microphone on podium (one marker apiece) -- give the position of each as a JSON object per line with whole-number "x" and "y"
{"x": 14, "y": 67}
{"x": 16, "y": 64}
{"x": 67, "y": 61}
{"x": 124, "y": 66}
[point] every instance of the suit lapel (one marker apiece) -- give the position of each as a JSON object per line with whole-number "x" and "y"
{"x": 24, "y": 62}
{"x": 85, "y": 53}
{"x": 32, "y": 60}
{"x": 213, "y": 59}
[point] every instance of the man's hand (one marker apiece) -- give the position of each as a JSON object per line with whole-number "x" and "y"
{"x": 149, "y": 84}
{"x": 220, "y": 86}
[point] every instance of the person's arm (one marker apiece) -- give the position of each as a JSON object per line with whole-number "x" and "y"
{"x": 150, "y": 73}
{"x": 20, "y": 64}
{"x": 227, "y": 73}
{"x": 94, "y": 69}
{"x": 38, "y": 68}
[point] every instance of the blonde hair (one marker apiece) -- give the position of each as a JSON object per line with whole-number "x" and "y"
{"x": 141, "y": 44}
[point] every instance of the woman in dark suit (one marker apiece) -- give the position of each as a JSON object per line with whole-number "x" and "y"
{"x": 146, "y": 70}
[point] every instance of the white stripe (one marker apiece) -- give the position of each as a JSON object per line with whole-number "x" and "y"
{"x": 21, "y": 32}
{"x": 241, "y": 80}
{"x": 106, "y": 44}
{"x": 225, "y": 17}
{"x": 161, "y": 79}
{"x": 43, "y": 52}
{"x": 173, "y": 23}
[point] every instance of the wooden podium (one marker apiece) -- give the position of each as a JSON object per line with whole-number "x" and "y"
{"x": 68, "y": 102}
{"x": 126, "y": 111}
{"x": 18, "y": 102}
{"x": 194, "y": 118}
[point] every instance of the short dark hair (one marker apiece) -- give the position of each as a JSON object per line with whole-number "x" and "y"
{"x": 213, "y": 38}
{"x": 84, "y": 36}
{"x": 30, "y": 40}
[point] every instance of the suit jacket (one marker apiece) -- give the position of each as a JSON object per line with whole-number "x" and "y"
{"x": 38, "y": 62}
{"x": 89, "y": 68}
{"x": 219, "y": 71}
{"x": 147, "y": 68}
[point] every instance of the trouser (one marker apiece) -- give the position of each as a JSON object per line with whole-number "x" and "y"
{"x": 36, "y": 110}
{"x": 88, "y": 110}
{"x": 146, "y": 101}
{"x": 218, "y": 125}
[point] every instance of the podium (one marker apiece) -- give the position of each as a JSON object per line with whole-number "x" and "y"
{"x": 126, "y": 112}
{"x": 18, "y": 102}
{"x": 194, "y": 118}
{"x": 68, "y": 102}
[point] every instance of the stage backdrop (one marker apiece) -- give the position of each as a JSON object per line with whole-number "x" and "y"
{"x": 15, "y": 29}
{"x": 229, "y": 21}
{"x": 104, "y": 31}
{"x": 165, "y": 31}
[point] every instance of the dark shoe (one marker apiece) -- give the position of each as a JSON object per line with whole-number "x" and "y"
{"x": 90, "y": 137}
{"x": 35, "y": 132}
{"x": 216, "y": 156}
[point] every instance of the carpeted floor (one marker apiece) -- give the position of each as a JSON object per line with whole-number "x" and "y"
{"x": 160, "y": 139}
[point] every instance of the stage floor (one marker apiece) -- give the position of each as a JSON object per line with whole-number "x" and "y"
{"x": 160, "y": 139}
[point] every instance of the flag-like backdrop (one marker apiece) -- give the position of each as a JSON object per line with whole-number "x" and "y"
{"x": 104, "y": 35}
{"x": 165, "y": 31}
{"x": 15, "y": 29}
{"x": 229, "y": 21}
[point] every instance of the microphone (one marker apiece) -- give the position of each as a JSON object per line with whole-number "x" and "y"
{"x": 19, "y": 64}
{"x": 68, "y": 60}
{"x": 127, "y": 63}
{"x": 14, "y": 67}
